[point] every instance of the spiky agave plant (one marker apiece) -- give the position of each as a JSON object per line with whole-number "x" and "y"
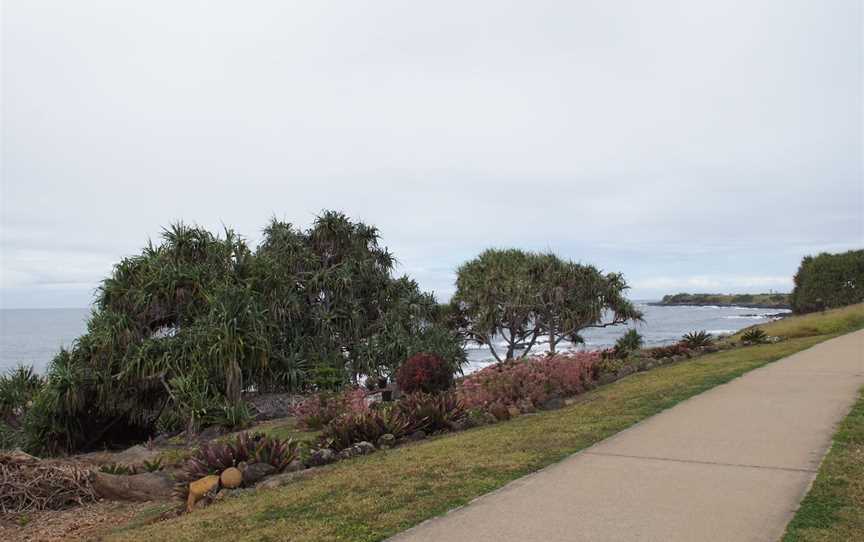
{"x": 432, "y": 413}
{"x": 628, "y": 343}
{"x": 754, "y": 336}
{"x": 367, "y": 426}
{"x": 276, "y": 452}
{"x": 697, "y": 339}
{"x": 17, "y": 388}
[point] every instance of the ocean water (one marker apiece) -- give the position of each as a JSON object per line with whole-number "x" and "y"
{"x": 662, "y": 326}
{"x": 34, "y": 336}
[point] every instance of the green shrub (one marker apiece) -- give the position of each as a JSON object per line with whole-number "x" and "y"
{"x": 828, "y": 281}
{"x": 117, "y": 469}
{"x": 153, "y": 466}
{"x": 18, "y": 386}
{"x": 233, "y": 415}
{"x": 628, "y": 343}
{"x": 697, "y": 339}
{"x": 10, "y": 437}
{"x": 194, "y": 320}
{"x": 754, "y": 336}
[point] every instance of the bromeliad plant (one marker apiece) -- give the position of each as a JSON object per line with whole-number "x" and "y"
{"x": 432, "y": 413}
{"x": 628, "y": 343}
{"x": 754, "y": 336}
{"x": 697, "y": 339}
{"x": 367, "y": 426}
{"x": 214, "y": 457}
{"x": 659, "y": 352}
{"x": 319, "y": 409}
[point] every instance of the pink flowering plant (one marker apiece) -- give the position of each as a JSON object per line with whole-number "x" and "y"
{"x": 319, "y": 409}
{"x": 535, "y": 379}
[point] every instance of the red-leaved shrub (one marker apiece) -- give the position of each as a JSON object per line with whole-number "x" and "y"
{"x": 415, "y": 412}
{"x": 676, "y": 349}
{"x": 318, "y": 410}
{"x": 424, "y": 372}
{"x": 534, "y": 379}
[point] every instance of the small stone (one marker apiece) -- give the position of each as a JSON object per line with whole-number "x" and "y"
{"x": 514, "y": 411}
{"x": 199, "y": 488}
{"x": 231, "y": 478}
{"x": 17, "y": 456}
{"x": 386, "y": 441}
{"x": 527, "y": 407}
{"x": 278, "y": 480}
{"x": 607, "y": 378}
{"x": 553, "y": 404}
{"x": 499, "y": 412}
{"x": 459, "y": 425}
{"x": 210, "y": 433}
{"x": 365, "y": 447}
{"x": 255, "y": 472}
{"x": 320, "y": 457}
{"x": 418, "y": 435}
{"x": 295, "y": 466}
{"x": 347, "y": 453}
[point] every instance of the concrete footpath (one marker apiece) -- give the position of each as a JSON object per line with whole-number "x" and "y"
{"x": 731, "y": 464}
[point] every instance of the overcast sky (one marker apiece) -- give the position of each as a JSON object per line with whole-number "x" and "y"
{"x": 692, "y": 145}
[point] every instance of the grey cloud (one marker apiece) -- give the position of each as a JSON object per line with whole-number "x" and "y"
{"x": 668, "y": 140}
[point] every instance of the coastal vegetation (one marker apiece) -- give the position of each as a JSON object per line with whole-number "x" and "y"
{"x": 180, "y": 330}
{"x": 374, "y": 496}
{"x": 522, "y": 296}
{"x": 828, "y": 281}
{"x": 765, "y": 301}
{"x": 696, "y": 339}
{"x": 180, "y": 333}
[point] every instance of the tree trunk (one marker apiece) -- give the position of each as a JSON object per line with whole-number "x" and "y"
{"x": 552, "y": 343}
{"x": 233, "y": 382}
{"x": 148, "y": 486}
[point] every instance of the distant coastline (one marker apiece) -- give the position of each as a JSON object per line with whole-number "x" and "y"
{"x": 749, "y": 301}
{"x": 742, "y": 305}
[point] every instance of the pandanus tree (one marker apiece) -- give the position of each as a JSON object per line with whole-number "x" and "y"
{"x": 197, "y": 319}
{"x": 519, "y": 297}
{"x": 574, "y": 297}
{"x": 497, "y": 296}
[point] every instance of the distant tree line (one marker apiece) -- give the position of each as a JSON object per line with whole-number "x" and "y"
{"x": 770, "y": 299}
{"x": 829, "y": 280}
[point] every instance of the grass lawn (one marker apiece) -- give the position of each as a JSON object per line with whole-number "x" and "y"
{"x": 375, "y": 496}
{"x": 834, "y": 508}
